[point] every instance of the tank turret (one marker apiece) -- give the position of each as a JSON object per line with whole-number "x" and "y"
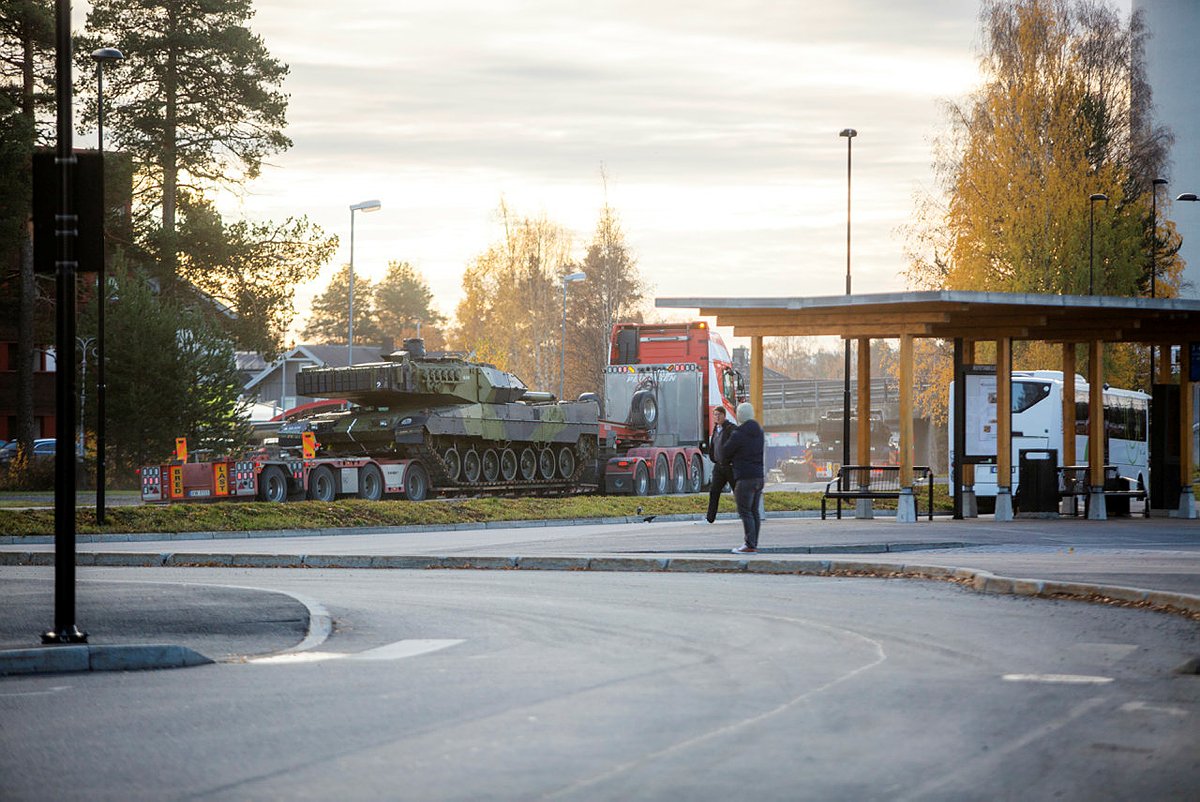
{"x": 469, "y": 423}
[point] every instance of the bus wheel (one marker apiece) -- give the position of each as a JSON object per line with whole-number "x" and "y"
{"x": 272, "y": 484}
{"x": 320, "y": 484}
{"x": 416, "y": 482}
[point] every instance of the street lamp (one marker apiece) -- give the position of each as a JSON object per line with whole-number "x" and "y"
{"x": 365, "y": 206}
{"x": 570, "y": 278}
{"x": 1188, "y": 196}
{"x": 1154, "y": 185}
{"x": 104, "y": 55}
{"x": 849, "y": 133}
{"x": 1097, "y": 196}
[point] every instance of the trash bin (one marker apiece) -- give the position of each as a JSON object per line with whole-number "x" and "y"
{"x": 1115, "y": 505}
{"x": 1037, "y": 481}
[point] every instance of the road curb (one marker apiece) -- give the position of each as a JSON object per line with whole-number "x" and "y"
{"x": 973, "y": 578}
{"x": 83, "y": 657}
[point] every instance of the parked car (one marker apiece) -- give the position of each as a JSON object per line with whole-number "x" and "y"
{"x": 43, "y": 448}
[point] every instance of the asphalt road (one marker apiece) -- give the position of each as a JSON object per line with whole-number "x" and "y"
{"x": 560, "y": 685}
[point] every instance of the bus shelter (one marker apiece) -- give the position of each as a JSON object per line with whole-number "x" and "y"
{"x": 968, "y": 318}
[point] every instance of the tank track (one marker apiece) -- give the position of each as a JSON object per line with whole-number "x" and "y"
{"x": 430, "y": 455}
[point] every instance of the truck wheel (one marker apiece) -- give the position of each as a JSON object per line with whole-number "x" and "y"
{"x": 416, "y": 482}
{"x": 641, "y": 480}
{"x": 695, "y": 475}
{"x": 661, "y": 476}
{"x": 320, "y": 484}
{"x": 491, "y": 465}
{"x": 370, "y": 483}
{"x": 272, "y": 484}
{"x": 643, "y": 412}
{"x": 566, "y": 463}
{"x": 679, "y": 475}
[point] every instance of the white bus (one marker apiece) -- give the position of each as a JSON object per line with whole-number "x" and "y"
{"x": 1037, "y": 422}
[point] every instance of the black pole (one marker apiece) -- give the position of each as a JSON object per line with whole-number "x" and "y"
{"x": 959, "y": 435}
{"x": 1091, "y": 243}
{"x": 849, "y": 133}
{"x": 65, "y": 230}
{"x": 101, "y": 302}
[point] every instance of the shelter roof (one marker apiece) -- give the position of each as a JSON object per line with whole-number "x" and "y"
{"x": 949, "y": 314}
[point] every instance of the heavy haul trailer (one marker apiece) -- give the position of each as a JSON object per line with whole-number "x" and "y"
{"x": 427, "y": 424}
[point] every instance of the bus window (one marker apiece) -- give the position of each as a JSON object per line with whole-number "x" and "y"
{"x": 1026, "y": 394}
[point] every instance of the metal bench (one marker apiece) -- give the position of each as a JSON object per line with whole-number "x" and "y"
{"x": 1076, "y": 482}
{"x": 873, "y": 481}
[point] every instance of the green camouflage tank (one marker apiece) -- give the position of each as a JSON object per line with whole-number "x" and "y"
{"x": 470, "y": 425}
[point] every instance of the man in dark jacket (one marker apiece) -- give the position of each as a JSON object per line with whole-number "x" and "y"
{"x": 744, "y": 451}
{"x": 722, "y": 473}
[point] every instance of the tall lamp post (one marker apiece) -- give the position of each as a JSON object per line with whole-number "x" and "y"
{"x": 364, "y": 206}
{"x": 1154, "y": 185}
{"x": 1097, "y": 196}
{"x": 104, "y": 55}
{"x": 570, "y": 278}
{"x": 849, "y": 133}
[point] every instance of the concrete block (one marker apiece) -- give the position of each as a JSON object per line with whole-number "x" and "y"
{"x": 205, "y": 560}
{"x": 996, "y": 584}
{"x": 931, "y": 571}
{"x": 143, "y": 657}
{"x": 127, "y": 560}
{"x": 1123, "y": 594}
{"x": 46, "y": 659}
{"x": 1054, "y": 588}
{"x": 337, "y": 561}
{"x": 808, "y": 567}
{"x": 266, "y": 561}
{"x": 852, "y": 548}
{"x": 479, "y": 563}
{"x": 627, "y": 564}
{"x": 703, "y": 565}
{"x": 1027, "y": 587}
{"x": 1182, "y": 601}
{"x": 552, "y": 563}
{"x": 404, "y": 563}
{"x": 872, "y": 567}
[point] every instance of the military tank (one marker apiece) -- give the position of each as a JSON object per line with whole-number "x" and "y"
{"x": 471, "y": 425}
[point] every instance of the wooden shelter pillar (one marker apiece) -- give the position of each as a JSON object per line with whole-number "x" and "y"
{"x": 1068, "y": 456}
{"x": 906, "y": 509}
{"x": 756, "y": 376}
{"x": 865, "y": 507}
{"x": 1004, "y": 503}
{"x": 970, "y": 506}
{"x": 1187, "y": 500}
{"x": 1097, "y": 511}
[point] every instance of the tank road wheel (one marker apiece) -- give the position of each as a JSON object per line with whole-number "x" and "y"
{"x": 453, "y": 463}
{"x": 471, "y": 467}
{"x": 528, "y": 464}
{"x": 641, "y": 480}
{"x": 370, "y": 483}
{"x": 272, "y": 484}
{"x": 566, "y": 462}
{"x": 661, "y": 476}
{"x": 416, "y": 482}
{"x": 695, "y": 475}
{"x": 679, "y": 475}
{"x": 546, "y": 464}
{"x": 320, "y": 484}
{"x": 491, "y": 465}
{"x": 508, "y": 465}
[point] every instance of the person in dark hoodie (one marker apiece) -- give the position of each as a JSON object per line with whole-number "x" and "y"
{"x": 744, "y": 452}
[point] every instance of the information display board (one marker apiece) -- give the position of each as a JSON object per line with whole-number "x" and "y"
{"x": 980, "y": 415}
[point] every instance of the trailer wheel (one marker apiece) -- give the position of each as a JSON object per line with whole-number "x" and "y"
{"x": 273, "y": 484}
{"x": 661, "y": 475}
{"x": 679, "y": 475}
{"x": 695, "y": 474}
{"x": 320, "y": 484}
{"x": 370, "y": 483}
{"x": 641, "y": 480}
{"x": 416, "y": 482}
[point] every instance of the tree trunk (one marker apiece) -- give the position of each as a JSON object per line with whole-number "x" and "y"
{"x": 27, "y": 289}
{"x": 170, "y": 166}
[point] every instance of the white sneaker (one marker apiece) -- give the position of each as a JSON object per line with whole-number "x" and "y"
{"x": 744, "y": 550}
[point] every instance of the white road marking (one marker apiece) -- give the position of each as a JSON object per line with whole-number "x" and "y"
{"x": 1064, "y": 679}
{"x": 392, "y": 651}
{"x": 55, "y": 689}
{"x": 1133, "y": 707}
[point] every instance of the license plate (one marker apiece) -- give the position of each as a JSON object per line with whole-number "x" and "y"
{"x": 199, "y": 493}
